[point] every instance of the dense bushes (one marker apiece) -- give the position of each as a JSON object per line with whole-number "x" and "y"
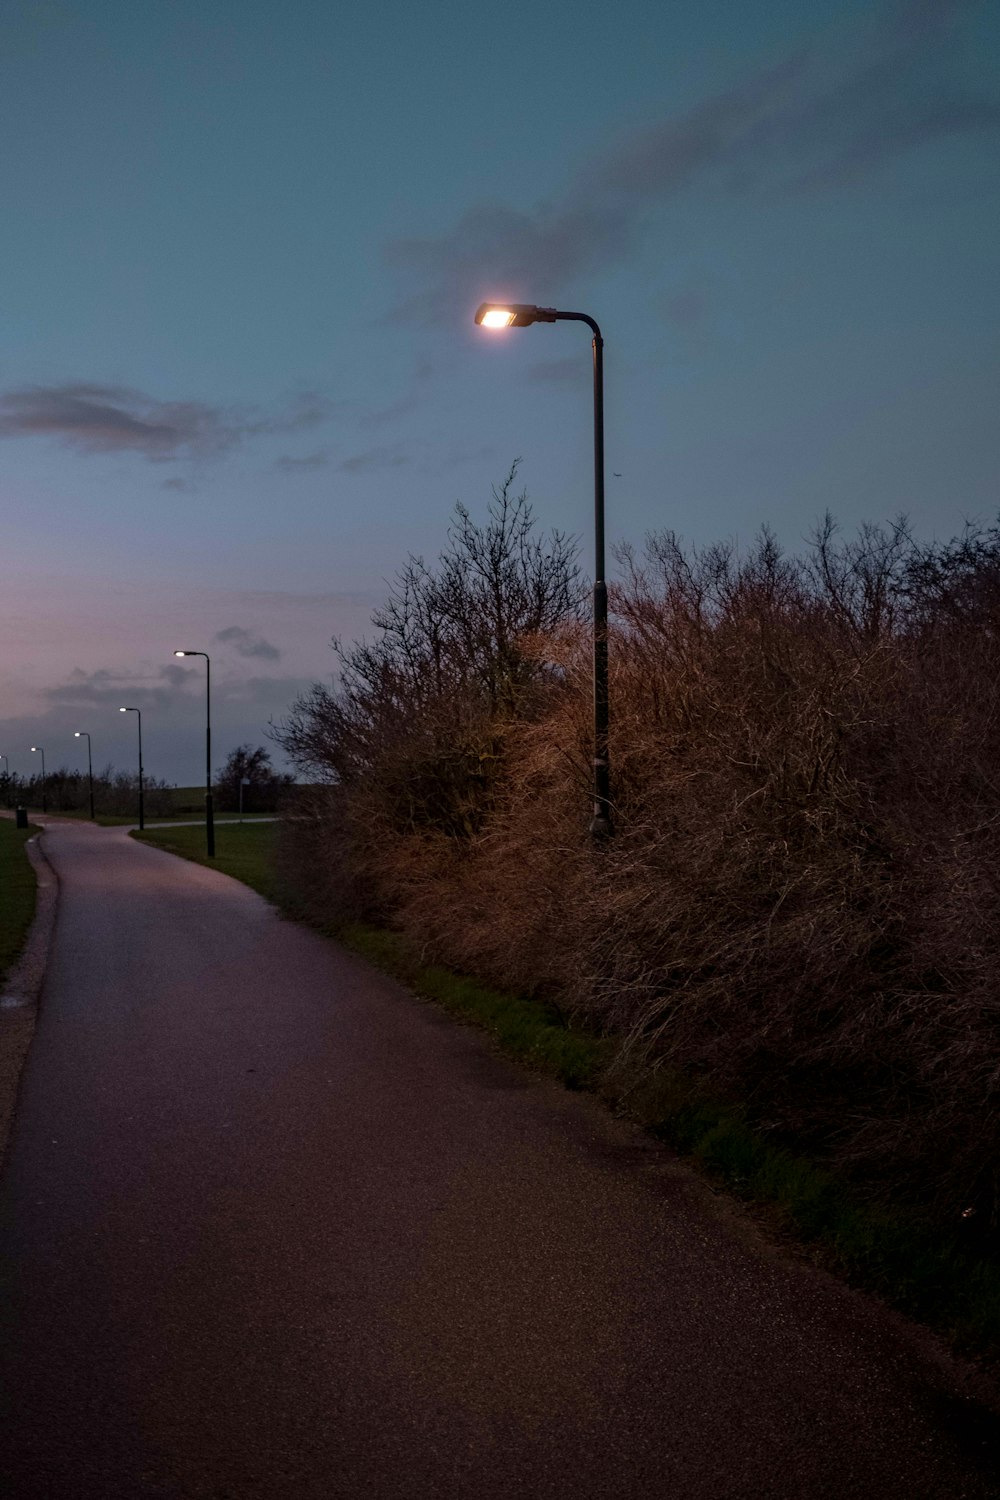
{"x": 116, "y": 793}
{"x": 802, "y": 901}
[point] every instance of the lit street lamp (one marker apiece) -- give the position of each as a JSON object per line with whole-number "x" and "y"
{"x": 37, "y": 749}
{"x": 81, "y": 734}
{"x": 139, "y": 712}
{"x": 209, "y": 820}
{"x": 519, "y": 315}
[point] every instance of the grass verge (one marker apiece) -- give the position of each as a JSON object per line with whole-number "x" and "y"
{"x": 242, "y": 850}
{"x": 115, "y": 820}
{"x": 943, "y": 1280}
{"x": 529, "y": 1030}
{"x": 17, "y": 882}
{"x": 938, "y": 1279}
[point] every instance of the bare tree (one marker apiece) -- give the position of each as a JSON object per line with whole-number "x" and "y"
{"x": 420, "y": 710}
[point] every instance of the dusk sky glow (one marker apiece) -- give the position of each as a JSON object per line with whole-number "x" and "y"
{"x": 242, "y": 252}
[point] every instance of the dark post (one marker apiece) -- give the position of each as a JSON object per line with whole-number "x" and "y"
{"x": 521, "y": 315}
{"x": 138, "y": 713}
{"x": 209, "y": 819}
{"x": 81, "y": 734}
{"x": 45, "y": 806}
{"x": 141, "y": 819}
{"x": 601, "y": 825}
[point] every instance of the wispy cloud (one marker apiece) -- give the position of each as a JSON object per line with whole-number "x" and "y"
{"x": 118, "y": 419}
{"x": 812, "y": 120}
{"x": 168, "y": 687}
{"x": 291, "y": 464}
{"x": 374, "y": 458}
{"x": 245, "y": 643}
{"x": 387, "y": 414}
{"x": 172, "y": 696}
{"x": 104, "y": 689}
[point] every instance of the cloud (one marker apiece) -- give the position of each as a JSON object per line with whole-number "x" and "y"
{"x": 245, "y": 643}
{"x": 385, "y": 414}
{"x": 108, "y": 419}
{"x": 172, "y": 700}
{"x": 104, "y": 688}
{"x": 168, "y": 689}
{"x": 307, "y": 409}
{"x": 291, "y": 464}
{"x": 812, "y": 120}
{"x": 374, "y": 458}
{"x": 118, "y": 419}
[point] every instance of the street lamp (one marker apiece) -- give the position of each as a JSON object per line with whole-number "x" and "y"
{"x": 139, "y": 712}
{"x": 496, "y": 315}
{"x": 209, "y": 820}
{"x": 81, "y": 734}
{"x": 37, "y": 749}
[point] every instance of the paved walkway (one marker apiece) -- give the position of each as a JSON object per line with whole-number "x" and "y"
{"x": 272, "y": 1229}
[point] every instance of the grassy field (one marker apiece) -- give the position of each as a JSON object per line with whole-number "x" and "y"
{"x": 946, "y": 1284}
{"x": 17, "y": 882}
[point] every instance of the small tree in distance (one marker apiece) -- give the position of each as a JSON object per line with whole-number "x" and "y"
{"x": 264, "y": 783}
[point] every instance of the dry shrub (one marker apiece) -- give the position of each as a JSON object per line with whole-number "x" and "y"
{"x": 802, "y": 901}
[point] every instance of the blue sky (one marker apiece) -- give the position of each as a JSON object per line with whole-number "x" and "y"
{"x": 242, "y": 248}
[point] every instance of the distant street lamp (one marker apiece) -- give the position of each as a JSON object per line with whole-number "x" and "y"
{"x": 37, "y": 750}
{"x": 81, "y": 734}
{"x": 209, "y": 819}
{"x": 139, "y": 712}
{"x": 519, "y": 315}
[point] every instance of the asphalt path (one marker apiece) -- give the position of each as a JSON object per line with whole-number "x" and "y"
{"x": 272, "y": 1227}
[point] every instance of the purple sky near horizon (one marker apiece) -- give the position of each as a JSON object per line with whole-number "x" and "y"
{"x": 243, "y": 246}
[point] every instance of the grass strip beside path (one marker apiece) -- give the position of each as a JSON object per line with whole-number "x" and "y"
{"x": 116, "y": 820}
{"x": 18, "y": 887}
{"x": 944, "y": 1282}
{"x": 18, "y": 900}
{"x": 242, "y": 850}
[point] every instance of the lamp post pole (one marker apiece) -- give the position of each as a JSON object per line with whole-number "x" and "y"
{"x": 209, "y": 816}
{"x": 520, "y": 315}
{"x": 81, "y": 734}
{"x": 138, "y": 712}
{"x": 38, "y": 749}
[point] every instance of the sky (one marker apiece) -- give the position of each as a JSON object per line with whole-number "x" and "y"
{"x": 243, "y": 244}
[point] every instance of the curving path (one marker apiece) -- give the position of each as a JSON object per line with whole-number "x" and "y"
{"x": 273, "y": 1228}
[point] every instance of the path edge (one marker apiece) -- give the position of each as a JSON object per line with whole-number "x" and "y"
{"x": 23, "y": 986}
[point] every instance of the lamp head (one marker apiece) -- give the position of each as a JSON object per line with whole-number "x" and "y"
{"x": 512, "y": 314}
{"x": 180, "y": 653}
{"x": 76, "y": 734}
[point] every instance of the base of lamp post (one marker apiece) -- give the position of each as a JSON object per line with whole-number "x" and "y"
{"x": 209, "y": 826}
{"x": 601, "y": 826}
